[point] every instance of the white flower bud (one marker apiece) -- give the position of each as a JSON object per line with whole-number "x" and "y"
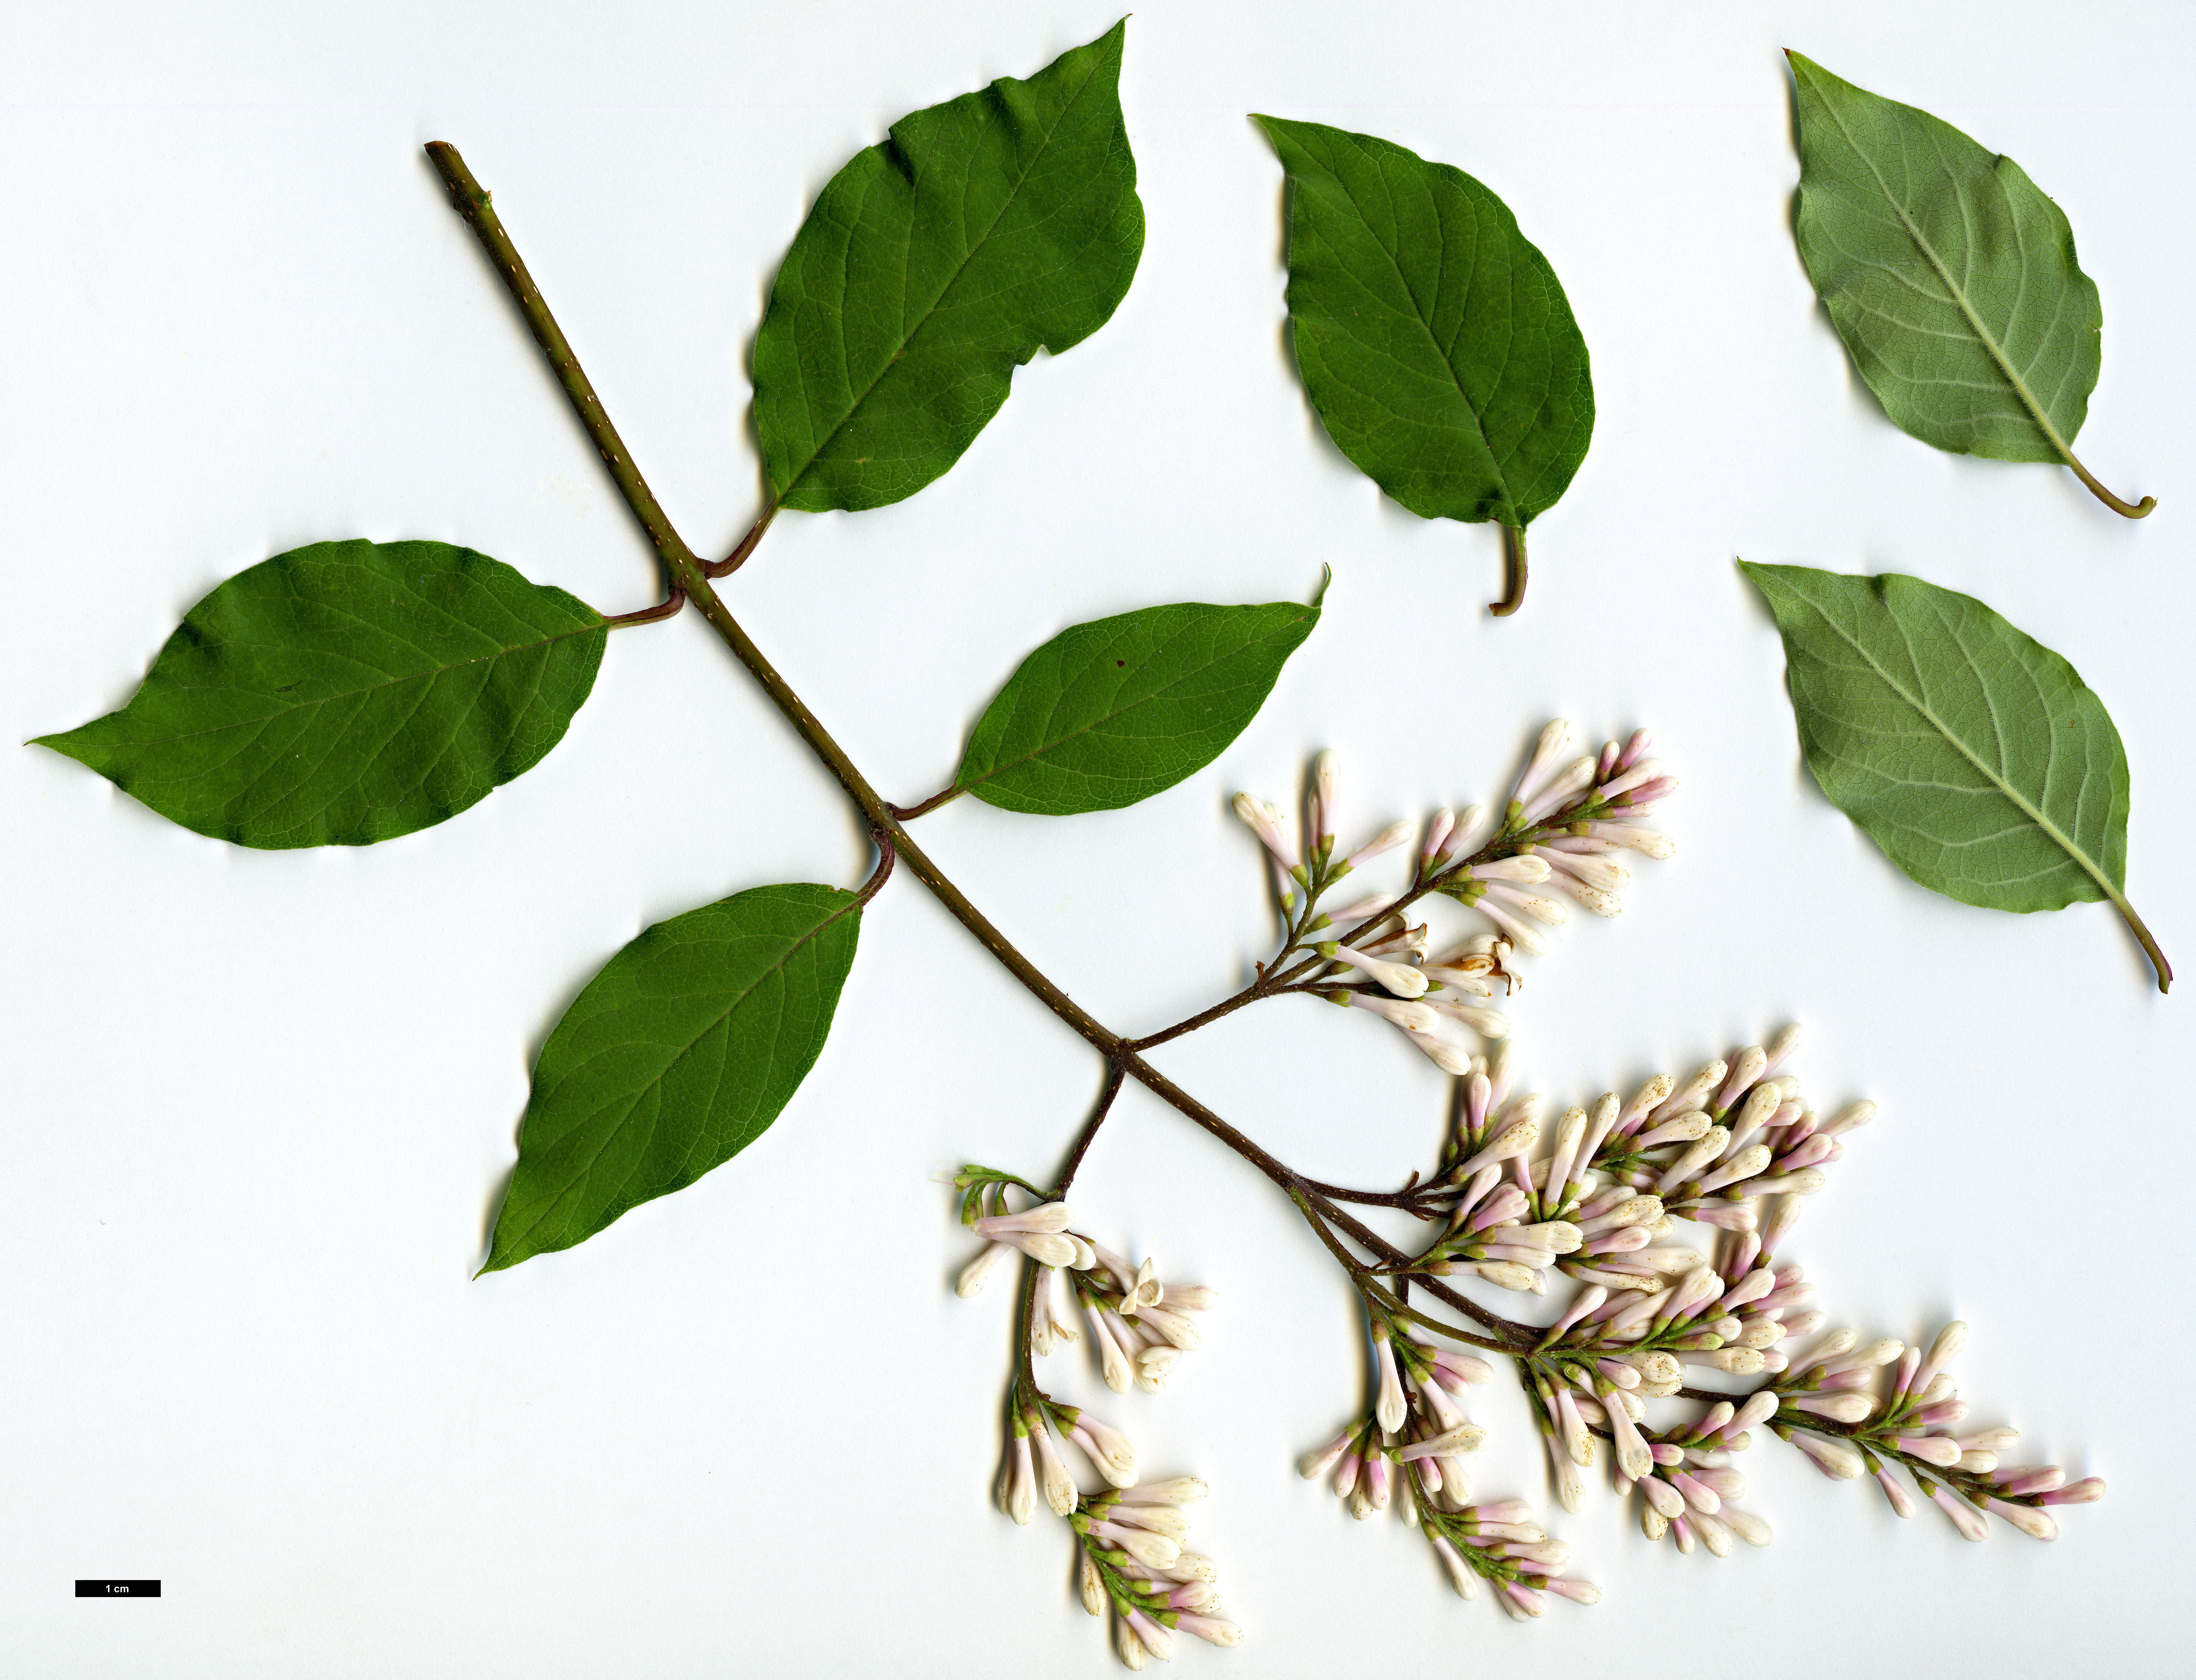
{"x": 1506, "y": 1274}
{"x": 977, "y": 1272}
{"x": 1748, "y": 1527}
{"x": 1093, "y": 1588}
{"x": 2036, "y": 1524}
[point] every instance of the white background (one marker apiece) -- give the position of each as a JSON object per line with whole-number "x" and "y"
{"x": 258, "y": 1107}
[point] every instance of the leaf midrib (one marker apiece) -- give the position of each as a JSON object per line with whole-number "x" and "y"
{"x": 1958, "y": 293}
{"x": 851, "y": 907}
{"x": 1441, "y": 353}
{"x": 959, "y": 268}
{"x": 2012, "y": 793}
{"x": 341, "y": 694}
{"x": 998, "y": 770}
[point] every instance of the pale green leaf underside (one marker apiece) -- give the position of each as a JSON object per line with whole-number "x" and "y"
{"x": 1435, "y": 342}
{"x": 348, "y": 692}
{"x": 1950, "y": 275}
{"x": 1974, "y": 756}
{"x": 985, "y": 228}
{"x": 1117, "y": 709}
{"x": 679, "y": 1054}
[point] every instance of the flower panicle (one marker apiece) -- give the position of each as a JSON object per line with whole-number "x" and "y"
{"x": 1560, "y": 831}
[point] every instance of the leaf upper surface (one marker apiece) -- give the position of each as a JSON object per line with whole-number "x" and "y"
{"x": 1434, "y": 341}
{"x": 933, "y": 265}
{"x": 348, "y": 692}
{"x": 679, "y": 1053}
{"x": 1950, "y": 275}
{"x": 1115, "y": 710}
{"x": 1972, "y": 755}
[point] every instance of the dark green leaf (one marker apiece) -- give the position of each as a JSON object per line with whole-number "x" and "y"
{"x": 1948, "y": 275}
{"x": 1117, "y": 709}
{"x": 679, "y": 1054}
{"x": 1974, "y": 755}
{"x": 348, "y": 692}
{"x": 1434, "y": 341}
{"x": 933, "y": 266}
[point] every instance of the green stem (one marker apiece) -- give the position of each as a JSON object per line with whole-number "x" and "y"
{"x": 472, "y": 201}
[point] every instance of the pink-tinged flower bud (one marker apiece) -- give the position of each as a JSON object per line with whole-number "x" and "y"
{"x": 1523, "y": 1603}
{"x": 1942, "y": 1450}
{"x": 1564, "y": 787}
{"x": 1902, "y": 1502}
{"x": 2088, "y": 1490}
{"x": 1845, "y": 1408}
{"x": 1746, "y": 1068}
{"x": 1757, "y": 1409}
{"x": 1213, "y": 1630}
{"x": 1411, "y": 1018}
{"x": 1438, "y": 829}
{"x": 1514, "y": 928}
{"x": 1314, "y": 1465}
{"x": 1466, "y": 1367}
{"x": 1579, "y": 1592}
{"x": 1378, "y": 1482}
{"x": 1965, "y": 1517}
{"x": 1323, "y": 778}
{"x": 1396, "y": 834}
{"x": 1176, "y": 1491}
{"x": 977, "y": 1272}
{"x": 1666, "y": 1499}
{"x": 1836, "y": 1459}
{"x": 2013, "y": 1481}
{"x": 1943, "y": 1413}
{"x": 1157, "y": 1639}
{"x": 1154, "y": 1551}
{"x": 1263, "y": 818}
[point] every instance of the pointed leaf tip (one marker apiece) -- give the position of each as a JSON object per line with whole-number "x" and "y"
{"x": 932, "y": 266}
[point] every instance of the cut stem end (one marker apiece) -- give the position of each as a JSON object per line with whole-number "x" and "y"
{"x": 1513, "y": 551}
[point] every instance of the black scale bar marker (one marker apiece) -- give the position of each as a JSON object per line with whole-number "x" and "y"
{"x": 118, "y": 1589}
